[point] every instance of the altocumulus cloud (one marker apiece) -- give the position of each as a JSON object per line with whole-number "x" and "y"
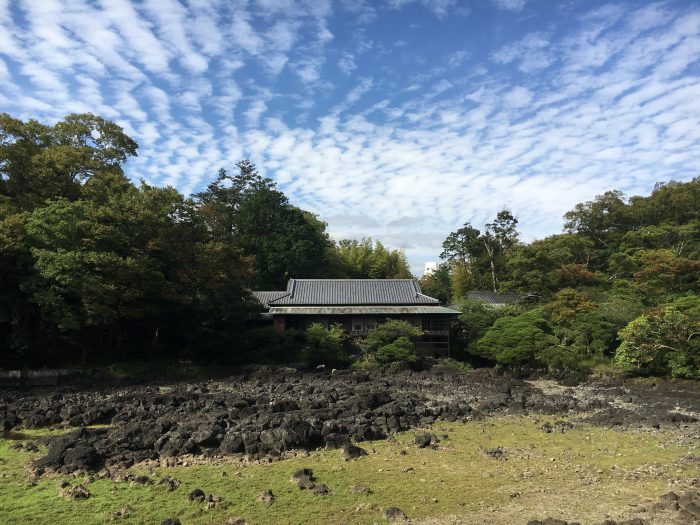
{"x": 398, "y": 120}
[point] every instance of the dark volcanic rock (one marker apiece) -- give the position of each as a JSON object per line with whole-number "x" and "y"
{"x": 425, "y": 439}
{"x": 268, "y": 411}
{"x": 394, "y": 514}
{"x": 197, "y": 495}
{"x": 353, "y": 452}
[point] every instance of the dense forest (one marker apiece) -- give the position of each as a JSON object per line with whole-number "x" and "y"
{"x": 622, "y": 280}
{"x": 94, "y": 268}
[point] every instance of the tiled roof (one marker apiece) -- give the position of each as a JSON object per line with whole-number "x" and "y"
{"x": 311, "y": 292}
{"x": 364, "y": 310}
{"x": 264, "y": 297}
{"x": 494, "y": 297}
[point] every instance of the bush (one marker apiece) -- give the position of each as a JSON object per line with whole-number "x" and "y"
{"x": 399, "y": 350}
{"x": 391, "y": 342}
{"x": 517, "y": 341}
{"x": 390, "y": 331}
{"x": 325, "y": 345}
{"x": 664, "y": 341}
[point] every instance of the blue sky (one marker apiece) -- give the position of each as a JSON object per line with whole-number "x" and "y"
{"x": 395, "y": 119}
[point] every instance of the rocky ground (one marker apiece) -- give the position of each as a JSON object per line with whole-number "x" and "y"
{"x": 268, "y": 412}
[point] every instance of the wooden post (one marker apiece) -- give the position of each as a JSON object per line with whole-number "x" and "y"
{"x": 279, "y": 324}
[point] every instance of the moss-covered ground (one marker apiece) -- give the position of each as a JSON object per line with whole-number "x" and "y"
{"x": 586, "y": 473}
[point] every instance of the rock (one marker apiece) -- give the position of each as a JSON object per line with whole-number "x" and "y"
{"x": 495, "y": 453}
{"x": 394, "y": 514}
{"x": 82, "y": 457}
{"x": 353, "y": 452}
{"x": 359, "y": 489}
{"x": 213, "y": 501}
{"x": 141, "y": 480}
{"x": 235, "y": 521}
{"x": 266, "y": 496}
{"x": 197, "y": 495}
{"x": 304, "y": 478}
{"x": 73, "y": 493}
{"x": 320, "y": 490}
{"x": 425, "y": 439}
{"x": 170, "y": 483}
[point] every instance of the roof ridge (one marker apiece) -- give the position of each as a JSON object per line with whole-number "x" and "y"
{"x": 353, "y": 279}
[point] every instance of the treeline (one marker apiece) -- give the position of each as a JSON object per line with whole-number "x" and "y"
{"x": 94, "y": 267}
{"x": 620, "y": 283}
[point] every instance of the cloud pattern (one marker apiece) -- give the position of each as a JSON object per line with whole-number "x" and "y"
{"x": 398, "y": 120}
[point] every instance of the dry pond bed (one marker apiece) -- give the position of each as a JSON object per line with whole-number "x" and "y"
{"x": 520, "y": 452}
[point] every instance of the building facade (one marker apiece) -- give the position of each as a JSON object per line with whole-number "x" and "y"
{"x": 359, "y": 305}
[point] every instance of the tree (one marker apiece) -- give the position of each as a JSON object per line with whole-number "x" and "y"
{"x": 393, "y": 341}
{"x": 38, "y": 162}
{"x": 665, "y": 340}
{"x": 601, "y": 220}
{"x": 437, "y": 284}
{"x": 517, "y": 341}
{"x": 498, "y": 239}
{"x": 365, "y": 260}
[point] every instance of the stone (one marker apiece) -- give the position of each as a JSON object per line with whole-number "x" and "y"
{"x": 169, "y": 483}
{"x": 266, "y": 496}
{"x": 394, "y": 514}
{"x": 359, "y": 489}
{"x": 73, "y": 493}
{"x": 351, "y": 451}
{"x": 425, "y": 439}
{"x": 320, "y": 490}
{"x": 197, "y": 495}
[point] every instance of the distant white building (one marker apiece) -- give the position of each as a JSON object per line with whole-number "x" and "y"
{"x": 430, "y": 268}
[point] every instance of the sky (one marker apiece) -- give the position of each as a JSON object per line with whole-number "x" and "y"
{"x": 398, "y": 120}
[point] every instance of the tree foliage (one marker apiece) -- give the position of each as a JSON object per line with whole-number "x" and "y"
{"x": 666, "y": 340}
{"x": 393, "y": 341}
{"x": 367, "y": 260}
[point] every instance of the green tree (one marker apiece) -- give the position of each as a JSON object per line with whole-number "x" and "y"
{"x": 663, "y": 341}
{"x": 517, "y": 341}
{"x": 366, "y": 260}
{"x": 437, "y": 284}
{"x": 393, "y": 341}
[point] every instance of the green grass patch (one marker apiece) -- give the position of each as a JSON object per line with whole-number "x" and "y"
{"x": 541, "y": 475}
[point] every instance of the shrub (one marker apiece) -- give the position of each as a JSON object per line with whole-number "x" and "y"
{"x": 663, "y": 341}
{"x": 390, "y": 331}
{"x": 329, "y": 339}
{"x": 325, "y": 345}
{"x": 516, "y": 341}
{"x": 391, "y": 342}
{"x": 399, "y": 350}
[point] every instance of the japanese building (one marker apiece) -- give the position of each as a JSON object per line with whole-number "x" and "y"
{"x": 359, "y": 305}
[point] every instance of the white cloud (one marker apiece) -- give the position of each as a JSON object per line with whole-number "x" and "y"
{"x": 518, "y": 97}
{"x": 439, "y": 8}
{"x": 548, "y": 120}
{"x": 532, "y": 53}
{"x": 510, "y": 5}
{"x": 254, "y": 112}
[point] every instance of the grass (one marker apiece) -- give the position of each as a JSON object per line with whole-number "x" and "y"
{"x": 557, "y": 475}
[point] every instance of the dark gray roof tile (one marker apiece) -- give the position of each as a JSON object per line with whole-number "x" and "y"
{"x": 352, "y": 292}
{"x": 264, "y": 297}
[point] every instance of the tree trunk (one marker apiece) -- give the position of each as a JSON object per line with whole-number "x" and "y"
{"x": 493, "y": 276}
